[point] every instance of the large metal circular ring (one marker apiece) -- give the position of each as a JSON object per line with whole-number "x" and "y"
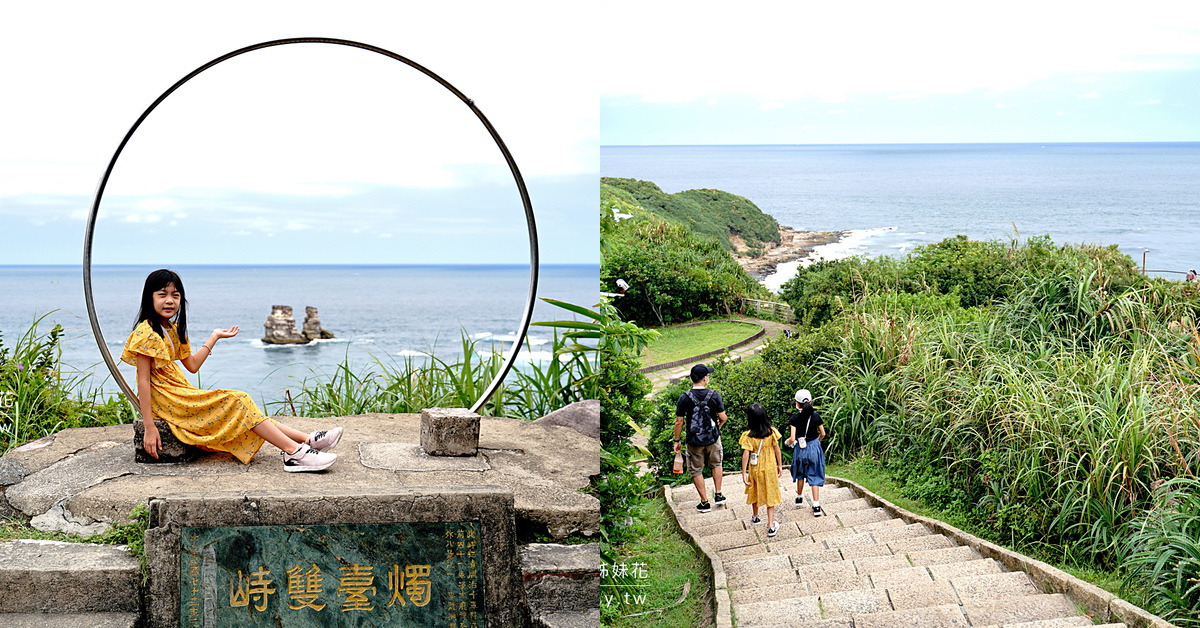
{"x": 512, "y": 165}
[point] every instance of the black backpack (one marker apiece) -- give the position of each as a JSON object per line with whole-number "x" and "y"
{"x": 702, "y": 429}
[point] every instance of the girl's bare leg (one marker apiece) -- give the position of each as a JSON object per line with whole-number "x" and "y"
{"x": 276, "y": 437}
{"x": 292, "y": 433}
{"x": 770, "y": 516}
{"x": 816, "y": 493}
{"x": 800, "y": 487}
{"x": 755, "y": 506}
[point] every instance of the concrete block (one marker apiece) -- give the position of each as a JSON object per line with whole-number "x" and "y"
{"x": 561, "y": 578}
{"x": 449, "y": 432}
{"x": 879, "y": 525}
{"x": 786, "y": 531}
{"x": 586, "y": 619}
{"x": 1058, "y": 622}
{"x": 819, "y": 524}
{"x": 56, "y": 577}
{"x": 833, "y": 532}
{"x": 696, "y": 520}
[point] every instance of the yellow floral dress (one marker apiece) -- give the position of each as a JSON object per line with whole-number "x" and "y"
{"x": 764, "y": 476}
{"x": 216, "y": 420}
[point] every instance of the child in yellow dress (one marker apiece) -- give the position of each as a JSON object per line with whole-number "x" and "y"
{"x": 216, "y": 420}
{"x": 760, "y": 452}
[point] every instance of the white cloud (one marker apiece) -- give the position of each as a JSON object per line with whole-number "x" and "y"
{"x": 1152, "y": 101}
{"x": 767, "y": 106}
{"x": 1091, "y": 94}
{"x": 783, "y": 50}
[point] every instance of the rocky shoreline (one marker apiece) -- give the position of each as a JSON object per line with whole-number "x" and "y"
{"x": 794, "y": 244}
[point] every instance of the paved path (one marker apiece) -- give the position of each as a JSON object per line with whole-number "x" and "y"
{"x": 859, "y": 567}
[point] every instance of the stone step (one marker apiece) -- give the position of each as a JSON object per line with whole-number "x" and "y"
{"x": 921, "y": 595}
{"x": 764, "y": 578}
{"x": 980, "y": 589}
{"x": 840, "y": 622}
{"x": 718, "y": 528}
{"x": 945, "y": 616}
{"x": 561, "y": 578}
{"x": 770, "y": 562}
{"x": 581, "y": 619}
{"x": 978, "y": 567}
{"x": 955, "y": 554}
{"x": 771, "y": 592}
{"x": 1058, "y": 622}
{"x": 779, "y": 612}
{"x": 1012, "y": 610}
{"x": 67, "y": 578}
{"x": 71, "y": 620}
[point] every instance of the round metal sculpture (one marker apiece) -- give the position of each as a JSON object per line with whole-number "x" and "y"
{"x": 512, "y": 165}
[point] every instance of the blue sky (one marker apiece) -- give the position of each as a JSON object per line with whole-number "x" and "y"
{"x": 297, "y": 154}
{"x": 886, "y": 72}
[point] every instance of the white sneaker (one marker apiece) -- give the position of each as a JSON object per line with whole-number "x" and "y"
{"x": 307, "y": 459}
{"x": 324, "y": 440}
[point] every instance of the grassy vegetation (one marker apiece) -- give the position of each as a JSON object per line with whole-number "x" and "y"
{"x": 409, "y": 386}
{"x": 36, "y": 399}
{"x": 710, "y": 213}
{"x": 658, "y": 553}
{"x": 677, "y": 343}
{"x": 1037, "y": 395}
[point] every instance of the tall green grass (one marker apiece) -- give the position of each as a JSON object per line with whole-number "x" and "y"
{"x": 411, "y": 385}
{"x": 1046, "y": 415}
{"x": 36, "y": 399}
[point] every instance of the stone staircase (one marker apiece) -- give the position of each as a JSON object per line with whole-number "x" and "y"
{"x": 859, "y": 567}
{"x": 68, "y": 585}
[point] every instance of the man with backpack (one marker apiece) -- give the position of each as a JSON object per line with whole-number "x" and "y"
{"x": 704, "y": 413}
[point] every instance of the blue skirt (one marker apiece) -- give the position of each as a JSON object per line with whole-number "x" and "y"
{"x": 809, "y": 464}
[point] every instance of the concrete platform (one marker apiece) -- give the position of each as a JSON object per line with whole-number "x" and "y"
{"x": 79, "y": 477}
{"x": 57, "y": 577}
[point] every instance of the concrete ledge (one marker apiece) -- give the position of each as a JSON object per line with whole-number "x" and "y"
{"x": 667, "y": 365}
{"x": 722, "y": 597}
{"x": 1097, "y": 602}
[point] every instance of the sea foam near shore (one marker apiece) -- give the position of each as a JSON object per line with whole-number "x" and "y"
{"x": 855, "y": 242}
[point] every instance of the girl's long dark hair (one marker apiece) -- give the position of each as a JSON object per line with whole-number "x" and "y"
{"x": 156, "y": 281}
{"x": 757, "y": 421}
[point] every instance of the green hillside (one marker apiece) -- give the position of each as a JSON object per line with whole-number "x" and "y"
{"x": 707, "y": 212}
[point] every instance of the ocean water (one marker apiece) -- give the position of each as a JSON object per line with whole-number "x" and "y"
{"x": 376, "y": 312}
{"x": 1145, "y": 198}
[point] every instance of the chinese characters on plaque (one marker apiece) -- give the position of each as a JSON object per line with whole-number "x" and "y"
{"x": 418, "y": 574}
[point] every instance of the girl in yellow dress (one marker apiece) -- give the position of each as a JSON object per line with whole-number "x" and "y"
{"x": 760, "y": 452}
{"x": 216, "y": 420}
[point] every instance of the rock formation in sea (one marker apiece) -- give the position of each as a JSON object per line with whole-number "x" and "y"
{"x": 312, "y": 325}
{"x": 281, "y": 327}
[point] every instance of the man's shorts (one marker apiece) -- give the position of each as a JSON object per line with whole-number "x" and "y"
{"x": 809, "y": 464}
{"x": 697, "y": 455}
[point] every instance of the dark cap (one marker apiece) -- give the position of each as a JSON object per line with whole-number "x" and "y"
{"x": 699, "y": 372}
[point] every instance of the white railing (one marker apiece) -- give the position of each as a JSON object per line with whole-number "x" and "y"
{"x": 768, "y": 309}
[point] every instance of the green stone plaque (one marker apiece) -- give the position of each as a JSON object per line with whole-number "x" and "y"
{"x": 385, "y": 574}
